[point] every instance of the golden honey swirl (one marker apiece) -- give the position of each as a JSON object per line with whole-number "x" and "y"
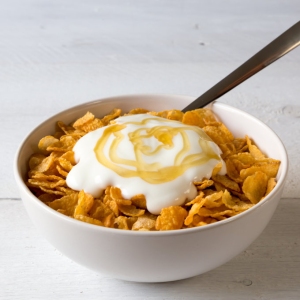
{"x": 153, "y": 173}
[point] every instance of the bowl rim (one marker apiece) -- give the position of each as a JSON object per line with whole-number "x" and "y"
{"x": 22, "y": 186}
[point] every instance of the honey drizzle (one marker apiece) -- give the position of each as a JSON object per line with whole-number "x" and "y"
{"x": 152, "y": 173}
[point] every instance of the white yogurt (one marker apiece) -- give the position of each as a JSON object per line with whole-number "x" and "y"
{"x": 144, "y": 154}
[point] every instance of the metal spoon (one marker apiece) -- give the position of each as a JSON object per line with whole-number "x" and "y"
{"x": 283, "y": 44}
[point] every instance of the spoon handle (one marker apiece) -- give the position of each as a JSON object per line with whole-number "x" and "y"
{"x": 283, "y": 44}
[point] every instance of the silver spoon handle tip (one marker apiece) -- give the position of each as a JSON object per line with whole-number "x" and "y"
{"x": 283, "y": 44}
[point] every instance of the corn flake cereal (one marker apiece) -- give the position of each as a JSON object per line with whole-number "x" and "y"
{"x": 250, "y": 177}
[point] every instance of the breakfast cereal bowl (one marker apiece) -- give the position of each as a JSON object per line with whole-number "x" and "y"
{"x": 152, "y": 256}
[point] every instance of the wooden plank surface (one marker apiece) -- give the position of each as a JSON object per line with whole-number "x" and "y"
{"x": 53, "y": 56}
{"x": 56, "y": 54}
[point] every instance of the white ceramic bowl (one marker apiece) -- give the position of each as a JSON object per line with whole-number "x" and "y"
{"x": 153, "y": 256}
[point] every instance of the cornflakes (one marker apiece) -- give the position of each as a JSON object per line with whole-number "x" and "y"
{"x": 250, "y": 177}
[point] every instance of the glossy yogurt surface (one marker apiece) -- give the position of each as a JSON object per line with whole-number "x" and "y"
{"x": 144, "y": 154}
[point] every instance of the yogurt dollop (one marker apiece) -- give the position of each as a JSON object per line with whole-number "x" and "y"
{"x": 144, "y": 154}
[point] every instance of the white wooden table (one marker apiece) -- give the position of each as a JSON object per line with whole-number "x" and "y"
{"x": 55, "y": 54}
